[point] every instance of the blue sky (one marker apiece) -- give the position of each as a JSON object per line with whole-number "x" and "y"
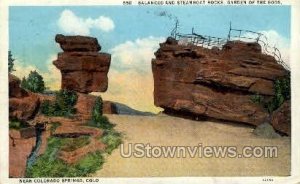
{"x": 32, "y": 30}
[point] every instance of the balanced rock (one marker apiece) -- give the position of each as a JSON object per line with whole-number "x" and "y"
{"x": 214, "y": 83}
{"x": 83, "y": 69}
{"x": 78, "y": 43}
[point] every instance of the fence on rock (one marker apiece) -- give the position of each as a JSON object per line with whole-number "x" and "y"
{"x": 197, "y": 39}
{"x": 233, "y": 34}
{"x": 252, "y": 36}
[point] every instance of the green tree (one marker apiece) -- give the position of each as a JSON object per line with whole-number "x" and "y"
{"x": 282, "y": 89}
{"x": 97, "y": 110}
{"x": 34, "y": 82}
{"x": 10, "y": 62}
{"x": 98, "y": 120}
{"x": 62, "y": 106}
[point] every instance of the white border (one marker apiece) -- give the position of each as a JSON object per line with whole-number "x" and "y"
{"x": 295, "y": 70}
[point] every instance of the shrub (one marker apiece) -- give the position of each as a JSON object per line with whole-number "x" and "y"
{"x": 89, "y": 164}
{"x": 98, "y": 120}
{"x": 282, "y": 89}
{"x": 97, "y": 109}
{"x": 34, "y": 82}
{"x": 257, "y": 98}
{"x": 54, "y": 126}
{"x": 14, "y": 124}
{"x": 72, "y": 144}
{"x": 112, "y": 139}
{"x": 48, "y": 165}
{"x": 62, "y": 106}
{"x": 101, "y": 122}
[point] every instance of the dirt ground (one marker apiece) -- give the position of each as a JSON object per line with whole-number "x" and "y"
{"x": 163, "y": 130}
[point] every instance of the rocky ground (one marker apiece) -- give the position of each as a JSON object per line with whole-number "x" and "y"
{"x": 172, "y": 131}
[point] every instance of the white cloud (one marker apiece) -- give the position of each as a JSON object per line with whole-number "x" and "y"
{"x": 52, "y": 76}
{"x": 280, "y": 42}
{"x": 135, "y": 54}
{"x": 103, "y": 23}
{"x": 130, "y": 75}
{"x": 274, "y": 39}
{"x": 70, "y": 23}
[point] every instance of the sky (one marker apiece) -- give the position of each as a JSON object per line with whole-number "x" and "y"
{"x": 131, "y": 34}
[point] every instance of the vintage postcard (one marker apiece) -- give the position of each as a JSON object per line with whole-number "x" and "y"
{"x": 179, "y": 91}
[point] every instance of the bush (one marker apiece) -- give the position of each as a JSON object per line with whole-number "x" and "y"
{"x": 14, "y": 124}
{"x": 34, "y": 82}
{"x": 48, "y": 165}
{"x": 282, "y": 88}
{"x": 62, "y": 106}
{"x": 98, "y": 120}
{"x": 98, "y": 108}
{"x": 257, "y": 98}
{"x": 54, "y": 126}
{"x": 112, "y": 139}
{"x": 72, "y": 144}
{"x": 102, "y": 122}
{"x": 89, "y": 164}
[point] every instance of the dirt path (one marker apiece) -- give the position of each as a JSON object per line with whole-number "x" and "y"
{"x": 171, "y": 131}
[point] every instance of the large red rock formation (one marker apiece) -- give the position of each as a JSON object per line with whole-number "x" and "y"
{"x": 214, "y": 83}
{"x": 83, "y": 69}
{"x": 23, "y": 105}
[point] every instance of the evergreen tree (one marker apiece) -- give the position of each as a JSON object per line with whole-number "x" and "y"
{"x": 62, "y": 106}
{"x": 10, "y": 62}
{"x": 98, "y": 120}
{"x": 97, "y": 110}
{"x": 23, "y": 83}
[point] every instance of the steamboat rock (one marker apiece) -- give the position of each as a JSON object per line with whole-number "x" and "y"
{"x": 216, "y": 83}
